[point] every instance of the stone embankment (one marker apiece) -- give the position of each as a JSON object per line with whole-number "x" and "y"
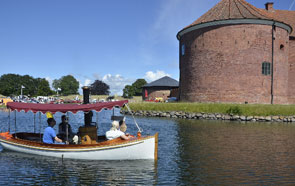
{"x": 208, "y": 116}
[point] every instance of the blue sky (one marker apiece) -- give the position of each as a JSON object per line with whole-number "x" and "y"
{"x": 117, "y": 41}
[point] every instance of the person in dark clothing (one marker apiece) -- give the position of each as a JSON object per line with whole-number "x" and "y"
{"x": 65, "y": 130}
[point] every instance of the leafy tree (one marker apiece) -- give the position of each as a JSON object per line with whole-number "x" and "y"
{"x": 128, "y": 91}
{"x": 56, "y": 84}
{"x": 43, "y": 87}
{"x": 68, "y": 85}
{"x": 99, "y": 88}
{"x": 10, "y": 84}
{"x": 137, "y": 86}
{"x": 135, "y": 89}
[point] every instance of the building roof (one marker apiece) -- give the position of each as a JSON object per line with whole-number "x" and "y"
{"x": 241, "y": 10}
{"x": 286, "y": 17}
{"x": 233, "y": 9}
{"x": 163, "y": 82}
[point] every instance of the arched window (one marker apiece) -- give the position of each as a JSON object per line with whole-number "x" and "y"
{"x": 266, "y": 68}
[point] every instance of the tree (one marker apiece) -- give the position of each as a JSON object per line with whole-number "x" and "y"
{"x": 43, "y": 87}
{"x": 135, "y": 89}
{"x": 99, "y": 88}
{"x": 128, "y": 91}
{"x": 68, "y": 85}
{"x": 137, "y": 86}
{"x": 10, "y": 84}
{"x": 56, "y": 84}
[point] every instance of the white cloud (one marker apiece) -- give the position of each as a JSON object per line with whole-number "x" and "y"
{"x": 116, "y": 83}
{"x": 152, "y": 76}
{"x": 87, "y": 82}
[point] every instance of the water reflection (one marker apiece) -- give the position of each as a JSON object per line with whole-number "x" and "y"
{"x": 51, "y": 171}
{"x": 38, "y": 170}
{"x": 230, "y": 153}
{"x": 191, "y": 152}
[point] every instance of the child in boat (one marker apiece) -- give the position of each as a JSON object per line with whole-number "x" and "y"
{"x": 49, "y": 135}
{"x": 115, "y": 133}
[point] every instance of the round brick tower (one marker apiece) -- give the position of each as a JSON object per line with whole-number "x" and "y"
{"x": 234, "y": 53}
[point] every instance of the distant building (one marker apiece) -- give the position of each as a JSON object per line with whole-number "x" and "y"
{"x": 162, "y": 88}
{"x": 238, "y": 53}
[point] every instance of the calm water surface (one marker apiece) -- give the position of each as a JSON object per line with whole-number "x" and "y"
{"x": 191, "y": 152}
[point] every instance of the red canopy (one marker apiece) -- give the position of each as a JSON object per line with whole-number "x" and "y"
{"x": 53, "y": 108}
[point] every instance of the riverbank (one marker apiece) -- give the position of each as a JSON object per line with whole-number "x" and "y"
{"x": 234, "y": 112}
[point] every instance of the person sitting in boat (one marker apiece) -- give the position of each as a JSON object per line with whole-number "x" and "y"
{"x": 64, "y": 129}
{"x": 115, "y": 133}
{"x": 49, "y": 133}
{"x": 123, "y": 128}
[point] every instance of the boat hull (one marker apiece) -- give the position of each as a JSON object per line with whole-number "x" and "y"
{"x": 139, "y": 148}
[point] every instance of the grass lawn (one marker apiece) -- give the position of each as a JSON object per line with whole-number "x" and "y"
{"x": 239, "y": 109}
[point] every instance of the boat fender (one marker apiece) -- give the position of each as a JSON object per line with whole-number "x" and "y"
{"x": 138, "y": 134}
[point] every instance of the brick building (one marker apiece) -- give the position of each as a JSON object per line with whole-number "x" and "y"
{"x": 239, "y": 53}
{"x": 162, "y": 88}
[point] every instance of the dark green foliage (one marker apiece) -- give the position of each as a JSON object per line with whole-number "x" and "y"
{"x": 43, "y": 87}
{"x": 135, "y": 89}
{"x": 128, "y": 91}
{"x": 99, "y": 88}
{"x": 10, "y": 84}
{"x": 68, "y": 85}
{"x": 137, "y": 86}
{"x": 234, "y": 110}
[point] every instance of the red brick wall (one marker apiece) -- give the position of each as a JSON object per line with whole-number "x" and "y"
{"x": 223, "y": 64}
{"x": 157, "y": 92}
{"x": 291, "y": 85}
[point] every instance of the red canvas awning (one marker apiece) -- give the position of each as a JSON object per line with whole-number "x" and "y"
{"x": 53, "y": 108}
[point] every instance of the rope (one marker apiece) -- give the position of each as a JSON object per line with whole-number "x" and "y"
{"x": 129, "y": 110}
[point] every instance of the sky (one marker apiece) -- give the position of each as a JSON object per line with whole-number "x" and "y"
{"x": 116, "y": 41}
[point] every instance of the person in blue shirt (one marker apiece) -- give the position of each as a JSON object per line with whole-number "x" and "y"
{"x": 49, "y": 135}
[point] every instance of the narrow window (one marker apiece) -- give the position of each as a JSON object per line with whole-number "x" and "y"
{"x": 182, "y": 49}
{"x": 266, "y": 68}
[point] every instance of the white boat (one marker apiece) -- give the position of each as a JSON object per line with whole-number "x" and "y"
{"x": 139, "y": 147}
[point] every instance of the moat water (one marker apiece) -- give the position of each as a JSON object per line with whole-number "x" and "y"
{"x": 191, "y": 152}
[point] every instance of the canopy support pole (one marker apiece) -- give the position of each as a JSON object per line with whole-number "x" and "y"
{"x": 67, "y": 129}
{"x": 9, "y": 120}
{"x": 40, "y": 125}
{"x": 15, "y": 123}
{"x": 34, "y": 123}
{"x": 96, "y": 119}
